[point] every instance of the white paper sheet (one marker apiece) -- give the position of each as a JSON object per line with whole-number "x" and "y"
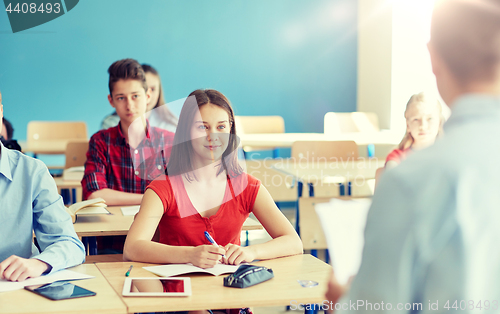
{"x": 179, "y": 269}
{"x": 343, "y": 223}
{"x": 130, "y": 210}
{"x": 64, "y": 274}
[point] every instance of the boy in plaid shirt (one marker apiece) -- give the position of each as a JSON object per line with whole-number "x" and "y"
{"x": 121, "y": 163}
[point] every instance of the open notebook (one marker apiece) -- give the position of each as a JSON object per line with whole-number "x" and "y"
{"x": 343, "y": 223}
{"x": 179, "y": 269}
{"x": 96, "y": 206}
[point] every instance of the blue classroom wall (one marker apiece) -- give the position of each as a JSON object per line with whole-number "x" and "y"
{"x": 297, "y": 59}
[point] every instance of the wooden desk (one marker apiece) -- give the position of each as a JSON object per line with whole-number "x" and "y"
{"x": 67, "y": 184}
{"x": 333, "y": 172}
{"x": 209, "y": 292}
{"x": 54, "y": 147}
{"x": 117, "y": 224}
{"x": 103, "y": 225}
{"x": 286, "y": 139}
{"x": 383, "y": 142}
{"x": 106, "y": 300}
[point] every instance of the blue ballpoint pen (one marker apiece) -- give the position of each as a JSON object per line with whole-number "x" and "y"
{"x": 209, "y": 238}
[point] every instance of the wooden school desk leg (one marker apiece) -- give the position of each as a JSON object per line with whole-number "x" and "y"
{"x": 310, "y": 308}
{"x": 276, "y": 153}
{"x": 370, "y": 150}
{"x": 297, "y": 228}
{"x": 299, "y": 195}
{"x": 73, "y": 196}
{"x": 90, "y": 244}
{"x": 342, "y": 189}
{"x": 85, "y": 244}
{"x": 311, "y": 189}
{"x": 310, "y": 186}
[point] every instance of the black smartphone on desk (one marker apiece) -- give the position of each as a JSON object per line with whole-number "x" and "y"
{"x": 60, "y": 290}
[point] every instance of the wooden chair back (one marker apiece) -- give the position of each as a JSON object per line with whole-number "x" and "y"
{"x": 311, "y": 232}
{"x": 76, "y": 153}
{"x": 259, "y": 124}
{"x": 348, "y": 122}
{"x": 317, "y": 151}
{"x": 39, "y": 131}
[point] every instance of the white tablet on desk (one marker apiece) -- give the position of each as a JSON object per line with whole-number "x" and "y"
{"x": 157, "y": 287}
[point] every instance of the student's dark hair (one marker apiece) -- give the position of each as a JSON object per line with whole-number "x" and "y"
{"x": 9, "y": 128}
{"x": 466, "y": 34}
{"x": 126, "y": 69}
{"x": 180, "y": 159}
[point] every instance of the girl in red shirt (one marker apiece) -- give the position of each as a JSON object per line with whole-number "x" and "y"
{"x": 205, "y": 189}
{"x": 424, "y": 122}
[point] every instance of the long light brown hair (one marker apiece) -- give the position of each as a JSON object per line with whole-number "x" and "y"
{"x": 180, "y": 159}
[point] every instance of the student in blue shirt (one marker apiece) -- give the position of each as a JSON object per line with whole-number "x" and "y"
{"x": 432, "y": 235}
{"x": 29, "y": 202}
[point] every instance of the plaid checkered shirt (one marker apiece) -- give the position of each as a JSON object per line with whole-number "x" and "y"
{"x": 112, "y": 163}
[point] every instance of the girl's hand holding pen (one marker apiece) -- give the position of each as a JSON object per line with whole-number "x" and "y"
{"x": 206, "y": 256}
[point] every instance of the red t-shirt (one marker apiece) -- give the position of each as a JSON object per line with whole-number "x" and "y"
{"x": 181, "y": 223}
{"x": 398, "y": 155}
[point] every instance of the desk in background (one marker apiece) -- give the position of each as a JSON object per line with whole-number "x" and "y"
{"x": 105, "y": 301}
{"x": 383, "y": 141}
{"x": 209, "y": 292}
{"x": 341, "y": 171}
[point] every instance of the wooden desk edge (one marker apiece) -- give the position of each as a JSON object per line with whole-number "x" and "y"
{"x": 115, "y": 280}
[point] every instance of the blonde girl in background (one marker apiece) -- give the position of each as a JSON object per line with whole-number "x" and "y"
{"x": 424, "y": 122}
{"x": 159, "y": 114}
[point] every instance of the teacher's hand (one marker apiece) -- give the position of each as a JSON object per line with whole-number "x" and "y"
{"x": 335, "y": 290}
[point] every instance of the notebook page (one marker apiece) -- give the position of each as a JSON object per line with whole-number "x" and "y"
{"x": 343, "y": 223}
